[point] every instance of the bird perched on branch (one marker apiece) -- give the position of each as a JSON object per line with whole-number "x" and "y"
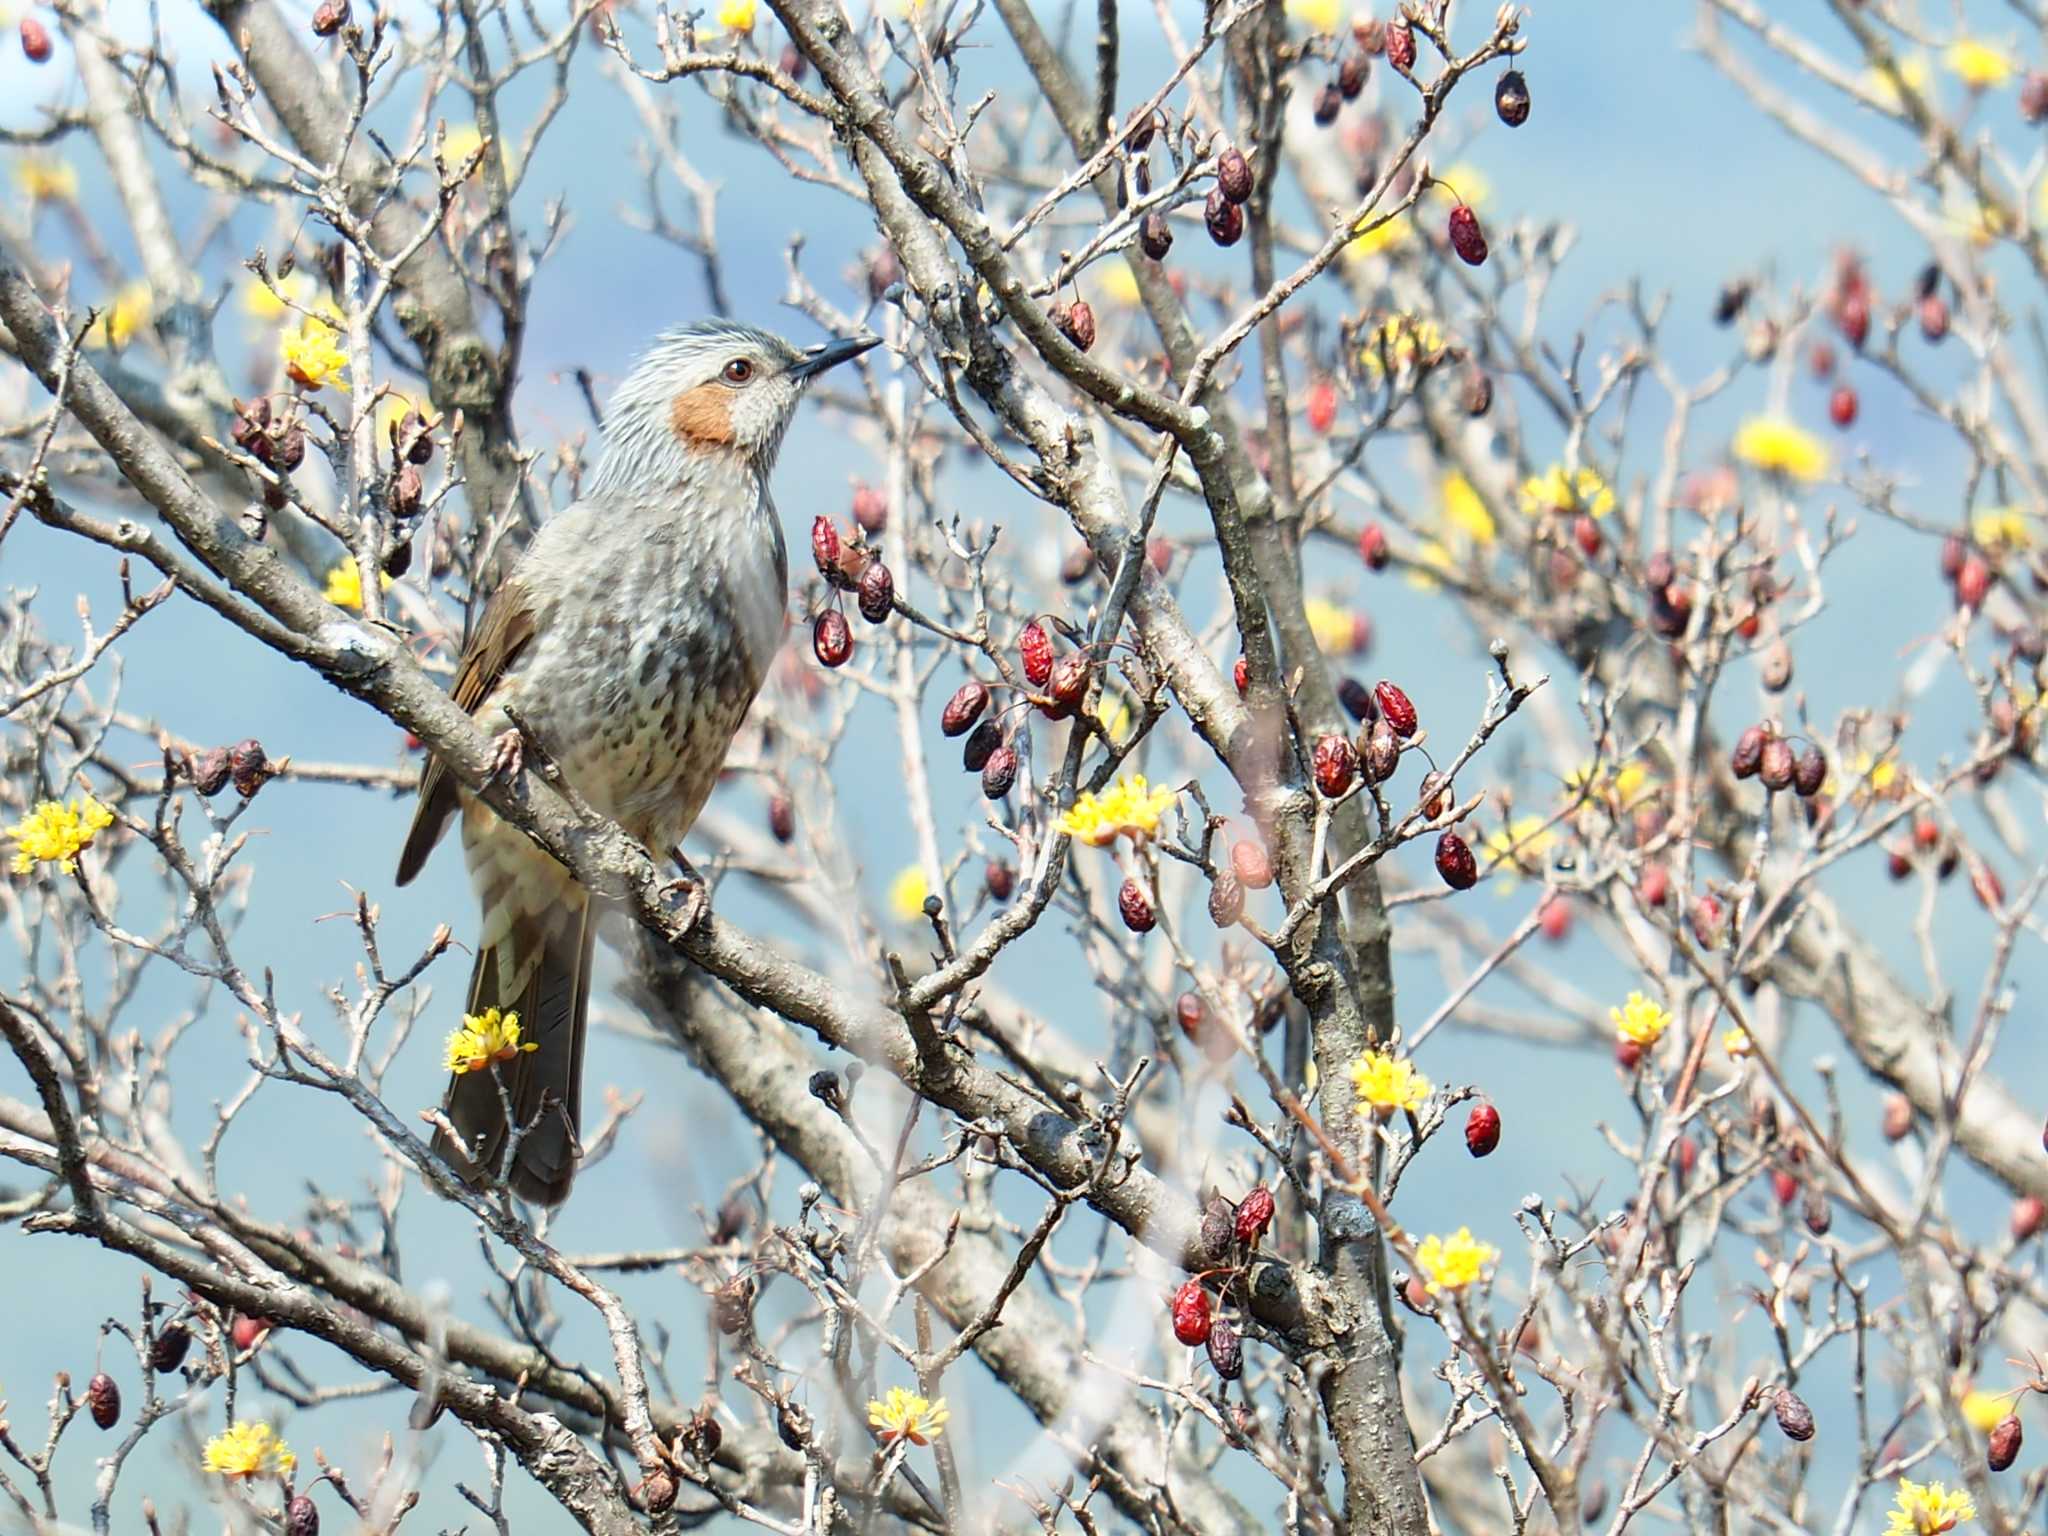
{"x": 626, "y": 645}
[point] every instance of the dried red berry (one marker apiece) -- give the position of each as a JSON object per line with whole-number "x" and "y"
{"x": 1067, "y": 685}
{"x": 1842, "y": 406}
{"x": 999, "y": 772}
{"x": 963, "y": 709}
{"x": 1189, "y": 1012}
{"x": 1628, "y": 1054}
{"x": 1586, "y": 534}
{"x": 877, "y": 592}
{"x": 1135, "y": 907}
{"x": 1810, "y": 772}
{"x": 1400, "y": 46}
{"x": 1335, "y": 763}
{"x": 1794, "y": 1417}
{"x": 1395, "y": 708}
{"x": 1466, "y": 238}
{"x": 35, "y": 40}
{"x": 1234, "y": 175}
{"x": 249, "y": 767}
{"x": 1241, "y": 675}
{"x": 2003, "y": 1448}
{"x": 2029, "y": 1216}
{"x": 1001, "y": 879}
{"x": 1784, "y": 1188}
{"x": 209, "y": 770}
{"x": 1898, "y": 1117}
{"x": 1775, "y": 766}
{"x": 832, "y": 638}
{"x": 1372, "y": 547}
{"x": 1475, "y": 394}
{"x": 167, "y": 1349}
{"x": 1381, "y": 754}
{"x": 1254, "y": 1215}
{"x": 1973, "y": 581}
{"x": 1852, "y": 318}
{"x": 247, "y": 1329}
{"x": 329, "y": 17}
{"x": 1352, "y": 72}
{"x": 2033, "y": 97}
{"x": 1511, "y": 99}
{"x": 781, "y": 817}
{"x": 1817, "y": 1213}
{"x": 1321, "y": 410}
{"x": 1554, "y": 918}
{"x": 1191, "y": 1317}
{"x": 1224, "y": 218}
{"x": 1226, "y": 900}
{"x": 1077, "y": 323}
{"x": 1433, "y": 794}
{"x": 1455, "y": 863}
{"x": 1226, "y": 1351}
{"x": 103, "y": 1400}
{"x": 1707, "y": 920}
{"x": 1034, "y": 644}
{"x": 1155, "y": 235}
{"x": 1933, "y": 313}
{"x": 870, "y": 508}
{"x": 980, "y": 745}
{"x": 302, "y": 1518}
{"x": 1656, "y": 886}
{"x": 1482, "y": 1129}
{"x": 1251, "y": 864}
{"x": 1748, "y": 755}
{"x": 1356, "y": 699}
{"x": 1328, "y": 103}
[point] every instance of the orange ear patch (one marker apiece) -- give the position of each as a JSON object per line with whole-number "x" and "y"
{"x": 702, "y": 417}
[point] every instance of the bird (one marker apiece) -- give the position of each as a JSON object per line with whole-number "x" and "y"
{"x": 626, "y": 645}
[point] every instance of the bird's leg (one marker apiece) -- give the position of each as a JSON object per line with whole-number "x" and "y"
{"x": 508, "y": 755}
{"x": 688, "y": 896}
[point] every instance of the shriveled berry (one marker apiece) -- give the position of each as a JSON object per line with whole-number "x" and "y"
{"x": 2029, "y": 1216}
{"x": 2003, "y": 1448}
{"x": 1475, "y": 392}
{"x": 1372, "y": 547}
{"x": 1794, "y": 1417}
{"x": 1434, "y": 794}
{"x": 1482, "y": 1129}
{"x": 1400, "y": 46}
{"x": 2033, "y": 97}
{"x": 825, "y": 549}
{"x": 329, "y": 17}
{"x": 35, "y": 41}
{"x": 1077, "y": 323}
{"x": 1034, "y": 645}
{"x": 103, "y": 1400}
{"x": 1356, "y": 699}
{"x": 1191, "y": 1316}
{"x": 1077, "y": 566}
{"x": 1226, "y": 1351}
{"x": 247, "y": 1329}
{"x": 1586, "y": 534}
{"x": 832, "y": 638}
{"x": 1810, "y": 772}
{"x": 1001, "y": 879}
{"x": 1656, "y": 885}
{"x": 1155, "y": 235}
{"x": 964, "y": 708}
{"x": 877, "y": 592}
{"x": 1218, "y": 1217}
{"x": 999, "y": 772}
{"x": 1466, "y": 237}
{"x": 167, "y": 1349}
{"x": 1511, "y": 99}
{"x": 1328, "y": 103}
{"x": 1234, "y": 175}
{"x": 1395, "y": 708}
{"x": 1817, "y": 1213}
{"x": 1381, "y": 753}
{"x": 1254, "y": 1215}
{"x": 870, "y": 508}
{"x": 1335, "y": 763}
{"x": 1852, "y": 318}
{"x": 1842, "y": 406}
{"x": 1321, "y": 409}
{"x": 1226, "y": 900}
{"x": 1455, "y": 863}
{"x": 1898, "y": 1117}
{"x": 1784, "y": 1188}
{"x": 209, "y": 770}
{"x": 1776, "y": 763}
{"x": 980, "y": 746}
{"x": 781, "y": 816}
{"x": 1352, "y": 72}
{"x": 302, "y": 1516}
{"x": 1135, "y": 907}
{"x": 1933, "y": 314}
{"x": 1251, "y": 864}
{"x": 1067, "y": 684}
{"x": 1973, "y": 581}
{"x": 1224, "y": 218}
{"x": 1708, "y": 920}
{"x": 249, "y": 767}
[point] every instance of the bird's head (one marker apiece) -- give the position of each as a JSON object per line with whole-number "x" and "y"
{"x": 714, "y": 393}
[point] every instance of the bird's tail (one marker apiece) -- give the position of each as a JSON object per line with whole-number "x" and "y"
{"x": 536, "y": 965}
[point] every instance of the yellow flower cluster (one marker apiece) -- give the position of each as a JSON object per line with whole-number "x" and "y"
{"x": 1128, "y": 808}
{"x": 1982, "y": 1411}
{"x": 313, "y": 353}
{"x": 2002, "y": 530}
{"x": 1517, "y": 848}
{"x": 344, "y": 586}
{"x": 1324, "y": 16}
{"x": 1558, "y": 489}
{"x": 903, "y": 1415}
{"x": 44, "y": 180}
{"x": 907, "y": 893}
{"x": 1465, "y": 511}
{"x": 1977, "y": 64}
{"x": 1928, "y": 1509}
{"x": 1736, "y": 1042}
{"x": 1336, "y": 629}
{"x": 1380, "y": 1081}
{"x": 1454, "y": 1262}
{"x": 1621, "y": 783}
{"x": 1774, "y": 444}
{"x": 248, "y": 1450}
{"x": 57, "y": 834}
{"x": 1401, "y": 341}
{"x": 735, "y": 15}
{"x": 273, "y": 301}
{"x": 484, "y": 1038}
{"x": 1640, "y": 1019}
{"x": 123, "y": 317}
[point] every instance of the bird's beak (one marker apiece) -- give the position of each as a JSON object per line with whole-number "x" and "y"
{"x": 831, "y": 354}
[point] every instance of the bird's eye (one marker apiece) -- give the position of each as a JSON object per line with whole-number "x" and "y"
{"x": 738, "y": 371}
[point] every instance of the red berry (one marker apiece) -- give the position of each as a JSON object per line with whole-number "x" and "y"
{"x": 1135, "y": 907}
{"x": 1475, "y": 393}
{"x": 1628, "y": 1054}
{"x": 963, "y": 709}
{"x": 1821, "y": 359}
{"x": 1155, "y": 235}
{"x": 781, "y": 817}
{"x": 1190, "y": 1012}
{"x": 1795, "y": 1419}
{"x": 1234, "y": 175}
{"x": 1400, "y": 46}
{"x": 1482, "y": 1129}
{"x": 1973, "y": 581}
{"x": 2003, "y": 1448}
{"x": 1706, "y": 920}
{"x": 1226, "y": 899}
{"x": 1656, "y": 886}
{"x": 1898, "y": 1117}
{"x": 1076, "y": 322}
{"x": 103, "y": 1399}
{"x": 1926, "y": 831}
{"x": 168, "y": 1350}
{"x": 1933, "y": 312}
{"x": 247, "y": 1330}
{"x": 1896, "y": 864}
{"x": 825, "y": 548}
{"x": 832, "y": 638}
{"x": 1688, "y": 1156}
{"x": 2029, "y": 1216}
{"x": 302, "y": 1515}
{"x": 1329, "y": 102}
{"x": 1395, "y": 707}
{"x": 870, "y": 508}
{"x": 35, "y": 40}
{"x": 1251, "y": 864}
{"x": 1381, "y": 754}
{"x": 1842, "y": 406}
{"x": 999, "y": 772}
{"x": 1748, "y": 755}
{"x": 1034, "y": 644}
{"x": 1322, "y": 406}
{"x": 1455, "y": 863}
{"x": 1555, "y": 919}
{"x": 877, "y": 596}
{"x": 1241, "y": 675}
{"x": 1224, "y": 218}
{"x": 1066, "y": 686}
{"x": 1777, "y": 764}
{"x": 1191, "y": 1319}
{"x": 1254, "y": 1215}
{"x": 1372, "y": 547}
{"x": 1226, "y": 1351}
{"x": 1586, "y": 534}
{"x": 1335, "y": 763}
{"x": 1466, "y": 238}
{"x": 1352, "y": 71}
{"x": 1853, "y": 318}
{"x": 1001, "y": 879}
{"x": 1511, "y": 99}
{"x": 1810, "y": 772}
{"x": 1433, "y": 794}
{"x": 1783, "y": 1186}
{"x": 1953, "y": 551}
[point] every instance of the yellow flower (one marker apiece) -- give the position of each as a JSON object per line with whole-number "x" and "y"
{"x": 1380, "y": 1081}
{"x": 1454, "y": 1262}
{"x": 1978, "y": 65}
{"x": 1463, "y": 182}
{"x": 1982, "y": 1411}
{"x": 735, "y": 15}
{"x": 1114, "y": 715}
{"x": 907, "y": 893}
{"x": 1430, "y": 557}
{"x": 1913, "y": 70}
{"x": 1771, "y": 442}
{"x": 484, "y": 1038}
{"x": 1876, "y": 777}
{"x": 248, "y": 1450}
{"x": 261, "y": 301}
{"x": 43, "y": 180}
{"x": 1374, "y": 238}
{"x": 2002, "y": 530}
{"x": 1982, "y": 224}
{"x": 903, "y": 1415}
{"x": 313, "y": 355}
{"x": 126, "y": 314}
{"x": 1621, "y": 783}
{"x": 1559, "y": 490}
{"x": 1464, "y": 510}
{"x": 57, "y": 834}
{"x": 1128, "y": 808}
{"x": 1518, "y": 847}
{"x": 1404, "y": 341}
{"x": 458, "y": 143}
{"x": 1736, "y": 1042}
{"x": 1317, "y": 15}
{"x": 1336, "y": 629}
{"x": 1119, "y": 283}
{"x": 1928, "y": 1509}
{"x": 1640, "y": 1019}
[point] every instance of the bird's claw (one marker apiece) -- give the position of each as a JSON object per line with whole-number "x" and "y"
{"x": 508, "y": 756}
{"x": 688, "y": 898}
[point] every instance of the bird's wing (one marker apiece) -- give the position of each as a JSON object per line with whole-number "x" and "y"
{"x": 506, "y": 629}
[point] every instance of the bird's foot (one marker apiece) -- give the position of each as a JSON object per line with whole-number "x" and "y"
{"x": 688, "y": 896}
{"x": 508, "y": 755}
